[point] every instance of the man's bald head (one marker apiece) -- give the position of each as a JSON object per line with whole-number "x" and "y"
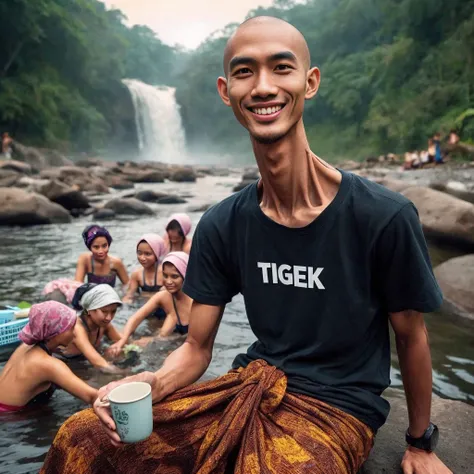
{"x": 268, "y": 25}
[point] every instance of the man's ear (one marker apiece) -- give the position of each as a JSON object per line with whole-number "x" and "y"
{"x": 222, "y": 89}
{"x": 313, "y": 80}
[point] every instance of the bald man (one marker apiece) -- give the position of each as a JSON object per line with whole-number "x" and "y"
{"x": 324, "y": 260}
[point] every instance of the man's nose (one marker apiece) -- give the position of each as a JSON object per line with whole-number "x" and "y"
{"x": 264, "y": 85}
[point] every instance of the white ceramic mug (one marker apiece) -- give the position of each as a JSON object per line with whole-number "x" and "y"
{"x": 131, "y": 407}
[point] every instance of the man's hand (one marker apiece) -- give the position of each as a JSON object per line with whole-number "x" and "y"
{"x": 417, "y": 461}
{"x": 104, "y": 413}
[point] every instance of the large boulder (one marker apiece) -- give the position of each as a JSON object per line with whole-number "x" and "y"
{"x": 456, "y": 424}
{"x": 456, "y": 279}
{"x": 183, "y": 175}
{"x": 15, "y": 165}
{"x": 171, "y": 199}
{"x": 147, "y": 195}
{"x": 18, "y": 207}
{"x": 55, "y": 158}
{"x": 29, "y": 155}
{"x": 85, "y": 180}
{"x": 8, "y": 178}
{"x": 443, "y": 216}
{"x": 68, "y": 197}
{"x": 128, "y": 206}
{"x": 118, "y": 182}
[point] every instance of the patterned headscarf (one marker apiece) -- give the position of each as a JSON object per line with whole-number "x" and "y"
{"x": 91, "y": 232}
{"x": 47, "y": 320}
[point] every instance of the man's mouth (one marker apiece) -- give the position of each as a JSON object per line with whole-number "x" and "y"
{"x": 270, "y": 110}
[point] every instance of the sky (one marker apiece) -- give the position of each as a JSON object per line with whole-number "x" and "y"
{"x": 185, "y": 22}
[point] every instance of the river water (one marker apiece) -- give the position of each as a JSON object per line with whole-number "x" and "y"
{"x": 30, "y": 257}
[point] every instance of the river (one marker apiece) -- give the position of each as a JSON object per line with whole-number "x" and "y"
{"x": 30, "y": 257}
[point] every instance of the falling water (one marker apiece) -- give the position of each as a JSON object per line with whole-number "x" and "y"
{"x": 159, "y": 128}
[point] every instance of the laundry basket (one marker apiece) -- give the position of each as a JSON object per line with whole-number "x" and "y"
{"x": 9, "y": 331}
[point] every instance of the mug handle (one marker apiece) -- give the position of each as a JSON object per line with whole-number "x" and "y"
{"x": 104, "y": 402}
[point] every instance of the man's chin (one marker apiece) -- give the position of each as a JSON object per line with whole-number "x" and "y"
{"x": 267, "y": 139}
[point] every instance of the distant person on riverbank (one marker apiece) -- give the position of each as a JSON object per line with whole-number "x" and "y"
{"x": 98, "y": 266}
{"x": 453, "y": 138}
{"x": 438, "y": 154}
{"x": 7, "y": 141}
{"x": 325, "y": 261}
{"x": 175, "y": 304}
{"x": 32, "y": 374}
{"x": 431, "y": 150}
{"x": 98, "y": 305}
{"x": 147, "y": 280}
{"x": 178, "y": 227}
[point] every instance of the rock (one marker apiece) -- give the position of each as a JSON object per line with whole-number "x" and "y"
{"x": 102, "y": 214}
{"x": 83, "y": 179}
{"x": 183, "y": 175}
{"x": 90, "y": 162}
{"x": 29, "y": 155}
{"x": 18, "y": 207}
{"x": 68, "y": 172}
{"x": 55, "y": 158}
{"x": 150, "y": 176}
{"x": 242, "y": 185}
{"x": 456, "y": 279}
{"x": 350, "y": 165}
{"x": 149, "y": 196}
{"x": 15, "y": 165}
{"x": 456, "y": 189}
{"x": 397, "y": 185}
{"x": 455, "y": 421}
{"x": 117, "y": 182}
{"x": 128, "y": 206}
{"x": 30, "y": 184}
{"x": 50, "y": 173}
{"x": 251, "y": 175}
{"x": 8, "y": 178}
{"x": 202, "y": 208}
{"x": 442, "y": 215}
{"x": 170, "y": 199}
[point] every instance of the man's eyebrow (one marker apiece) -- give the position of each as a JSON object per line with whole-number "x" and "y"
{"x": 282, "y": 55}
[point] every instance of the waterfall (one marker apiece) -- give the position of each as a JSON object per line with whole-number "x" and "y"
{"x": 159, "y": 128}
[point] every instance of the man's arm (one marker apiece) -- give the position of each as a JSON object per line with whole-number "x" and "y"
{"x": 415, "y": 365}
{"x": 189, "y": 362}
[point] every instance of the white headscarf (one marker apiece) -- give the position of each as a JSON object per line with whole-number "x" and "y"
{"x": 99, "y": 296}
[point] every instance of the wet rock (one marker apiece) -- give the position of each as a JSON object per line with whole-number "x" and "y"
{"x": 30, "y": 184}
{"x": 456, "y": 279}
{"x": 18, "y": 207}
{"x": 151, "y": 176}
{"x": 128, "y": 206}
{"x": 183, "y": 175}
{"x": 68, "y": 197}
{"x": 443, "y": 216}
{"x": 14, "y": 165}
{"x": 90, "y": 162}
{"x": 118, "y": 182}
{"x": 50, "y": 173}
{"x": 242, "y": 185}
{"x": 455, "y": 421}
{"x": 456, "y": 189}
{"x": 171, "y": 199}
{"x": 55, "y": 158}
{"x": 149, "y": 196}
{"x": 8, "y": 178}
{"x": 104, "y": 213}
{"x": 29, "y": 155}
{"x": 202, "y": 208}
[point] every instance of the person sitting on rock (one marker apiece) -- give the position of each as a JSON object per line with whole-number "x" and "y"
{"x": 98, "y": 305}
{"x": 325, "y": 260}
{"x": 178, "y": 227}
{"x": 31, "y": 374}
{"x": 175, "y": 304}
{"x": 149, "y": 279}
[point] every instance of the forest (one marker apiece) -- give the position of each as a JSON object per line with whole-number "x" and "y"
{"x": 393, "y": 73}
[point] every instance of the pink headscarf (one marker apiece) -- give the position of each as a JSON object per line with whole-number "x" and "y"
{"x": 179, "y": 260}
{"x": 183, "y": 220}
{"x": 47, "y": 320}
{"x": 156, "y": 243}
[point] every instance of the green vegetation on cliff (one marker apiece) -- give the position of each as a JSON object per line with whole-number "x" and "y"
{"x": 393, "y": 72}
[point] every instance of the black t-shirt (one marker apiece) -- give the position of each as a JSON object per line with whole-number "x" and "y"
{"x": 317, "y": 298}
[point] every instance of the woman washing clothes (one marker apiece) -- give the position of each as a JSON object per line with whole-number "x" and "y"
{"x": 147, "y": 280}
{"x": 175, "y": 303}
{"x": 98, "y": 303}
{"x": 97, "y": 265}
{"x": 32, "y": 374}
{"x": 178, "y": 227}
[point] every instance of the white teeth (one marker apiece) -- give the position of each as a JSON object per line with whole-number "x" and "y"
{"x": 267, "y": 110}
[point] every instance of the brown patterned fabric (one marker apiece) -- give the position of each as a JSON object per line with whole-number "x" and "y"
{"x": 243, "y": 422}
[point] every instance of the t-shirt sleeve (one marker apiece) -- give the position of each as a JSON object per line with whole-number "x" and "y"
{"x": 209, "y": 277}
{"x": 403, "y": 267}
